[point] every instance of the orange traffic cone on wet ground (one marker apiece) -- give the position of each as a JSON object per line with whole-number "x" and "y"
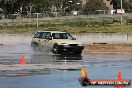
{"x": 120, "y": 78}
{"x": 22, "y": 62}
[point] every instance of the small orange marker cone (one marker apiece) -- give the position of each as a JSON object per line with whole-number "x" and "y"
{"x": 86, "y": 74}
{"x": 120, "y": 78}
{"x": 22, "y": 62}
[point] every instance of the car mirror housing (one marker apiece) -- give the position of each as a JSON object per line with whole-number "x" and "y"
{"x": 74, "y": 39}
{"x": 49, "y": 37}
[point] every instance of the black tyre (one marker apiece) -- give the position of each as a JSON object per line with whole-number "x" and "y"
{"x": 55, "y": 49}
{"x": 85, "y": 81}
{"x": 77, "y": 53}
{"x": 34, "y": 44}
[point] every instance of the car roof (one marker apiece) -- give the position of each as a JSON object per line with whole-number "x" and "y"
{"x": 53, "y": 31}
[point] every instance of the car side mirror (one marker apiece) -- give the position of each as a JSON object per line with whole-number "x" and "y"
{"x": 74, "y": 39}
{"x": 49, "y": 37}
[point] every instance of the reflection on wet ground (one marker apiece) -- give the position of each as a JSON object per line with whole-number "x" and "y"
{"x": 12, "y": 54}
{"x": 99, "y": 66}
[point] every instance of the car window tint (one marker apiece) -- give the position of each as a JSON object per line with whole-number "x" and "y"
{"x": 59, "y": 36}
{"x": 48, "y": 34}
{"x": 37, "y": 35}
{"x": 55, "y": 36}
{"x": 69, "y": 36}
{"x": 45, "y": 34}
{"x": 63, "y": 36}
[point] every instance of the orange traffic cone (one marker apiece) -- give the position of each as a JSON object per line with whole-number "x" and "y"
{"x": 120, "y": 78}
{"x": 22, "y": 62}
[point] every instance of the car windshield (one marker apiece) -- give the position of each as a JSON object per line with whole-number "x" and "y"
{"x": 62, "y": 36}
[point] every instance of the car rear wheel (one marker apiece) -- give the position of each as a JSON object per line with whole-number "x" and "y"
{"x": 34, "y": 45}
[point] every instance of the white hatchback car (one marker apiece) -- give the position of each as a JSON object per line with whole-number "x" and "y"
{"x": 58, "y": 42}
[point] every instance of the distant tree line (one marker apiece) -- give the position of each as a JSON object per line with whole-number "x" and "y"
{"x": 33, "y": 6}
{"x": 93, "y": 5}
{"x": 14, "y": 6}
{"x": 127, "y": 4}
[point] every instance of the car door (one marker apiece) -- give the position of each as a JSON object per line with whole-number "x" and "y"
{"x": 45, "y": 40}
{"x": 36, "y": 38}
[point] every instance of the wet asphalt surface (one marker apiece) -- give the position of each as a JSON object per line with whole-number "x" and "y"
{"x": 99, "y": 66}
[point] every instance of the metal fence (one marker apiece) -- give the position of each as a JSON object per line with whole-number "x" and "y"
{"x": 60, "y": 14}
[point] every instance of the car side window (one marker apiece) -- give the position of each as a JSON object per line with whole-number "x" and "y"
{"x": 70, "y": 37}
{"x": 45, "y": 35}
{"x": 63, "y": 36}
{"x": 55, "y": 36}
{"x": 37, "y": 35}
{"x": 60, "y": 36}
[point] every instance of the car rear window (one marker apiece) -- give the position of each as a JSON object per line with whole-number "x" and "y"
{"x": 42, "y": 35}
{"x": 37, "y": 35}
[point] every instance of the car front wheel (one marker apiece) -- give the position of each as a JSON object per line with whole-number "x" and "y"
{"x": 55, "y": 48}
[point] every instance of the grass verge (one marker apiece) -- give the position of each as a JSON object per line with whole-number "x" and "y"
{"x": 68, "y": 25}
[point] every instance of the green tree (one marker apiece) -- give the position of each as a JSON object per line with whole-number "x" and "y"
{"x": 13, "y": 6}
{"x": 61, "y": 5}
{"x": 117, "y": 4}
{"x": 93, "y": 5}
{"x": 40, "y": 5}
{"x": 127, "y": 5}
{"x": 45, "y": 5}
{"x": 71, "y": 5}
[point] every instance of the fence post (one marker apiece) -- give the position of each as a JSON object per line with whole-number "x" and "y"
{"x": 37, "y": 14}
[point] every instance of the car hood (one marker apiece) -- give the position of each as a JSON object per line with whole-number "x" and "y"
{"x": 66, "y": 41}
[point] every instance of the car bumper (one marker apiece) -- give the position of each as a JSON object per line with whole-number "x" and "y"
{"x": 70, "y": 49}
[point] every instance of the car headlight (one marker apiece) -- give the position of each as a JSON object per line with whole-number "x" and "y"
{"x": 66, "y": 45}
{"x": 80, "y": 44}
